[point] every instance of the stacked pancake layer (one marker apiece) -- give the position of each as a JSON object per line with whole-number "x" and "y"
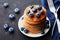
{"x": 34, "y": 19}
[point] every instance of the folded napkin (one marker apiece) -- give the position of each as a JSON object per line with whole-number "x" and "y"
{"x": 51, "y": 16}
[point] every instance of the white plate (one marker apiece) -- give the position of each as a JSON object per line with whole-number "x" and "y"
{"x": 32, "y": 35}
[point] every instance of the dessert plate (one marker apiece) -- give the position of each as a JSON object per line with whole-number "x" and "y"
{"x": 32, "y": 35}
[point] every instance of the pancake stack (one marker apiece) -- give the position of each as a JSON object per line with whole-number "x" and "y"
{"x": 34, "y": 19}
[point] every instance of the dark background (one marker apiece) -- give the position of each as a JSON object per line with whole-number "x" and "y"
{"x": 17, "y": 35}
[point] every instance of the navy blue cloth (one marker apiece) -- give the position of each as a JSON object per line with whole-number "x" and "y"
{"x": 51, "y": 16}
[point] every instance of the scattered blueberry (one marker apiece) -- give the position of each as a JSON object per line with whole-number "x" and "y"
{"x": 37, "y": 15}
{"x": 11, "y": 16}
{"x": 31, "y": 6}
{"x": 34, "y": 10}
{"x": 6, "y": 5}
{"x": 42, "y": 32}
{"x": 11, "y": 30}
{"x": 28, "y": 11}
{"x": 16, "y": 10}
{"x": 31, "y": 15}
{"x": 22, "y": 28}
{"x": 6, "y": 26}
{"x": 39, "y": 7}
{"x": 42, "y": 11}
{"x": 25, "y": 31}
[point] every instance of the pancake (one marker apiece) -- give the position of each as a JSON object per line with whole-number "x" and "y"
{"x": 34, "y": 20}
{"x": 33, "y": 29}
{"x": 33, "y": 23}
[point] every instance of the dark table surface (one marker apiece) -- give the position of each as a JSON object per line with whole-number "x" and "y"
{"x": 17, "y": 35}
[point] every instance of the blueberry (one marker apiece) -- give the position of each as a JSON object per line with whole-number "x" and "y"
{"x": 6, "y": 26}
{"x": 47, "y": 21}
{"x": 31, "y": 6}
{"x": 6, "y": 5}
{"x": 37, "y": 15}
{"x": 16, "y": 10}
{"x": 22, "y": 18}
{"x": 42, "y": 32}
{"x": 11, "y": 30}
{"x": 28, "y": 11}
{"x": 39, "y": 7}
{"x": 25, "y": 31}
{"x": 11, "y": 16}
{"x": 42, "y": 11}
{"x": 22, "y": 28}
{"x": 31, "y": 15}
{"x": 34, "y": 10}
{"x": 47, "y": 26}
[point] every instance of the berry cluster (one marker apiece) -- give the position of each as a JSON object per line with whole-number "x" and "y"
{"x": 34, "y": 10}
{"x": 24, "y": 30}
